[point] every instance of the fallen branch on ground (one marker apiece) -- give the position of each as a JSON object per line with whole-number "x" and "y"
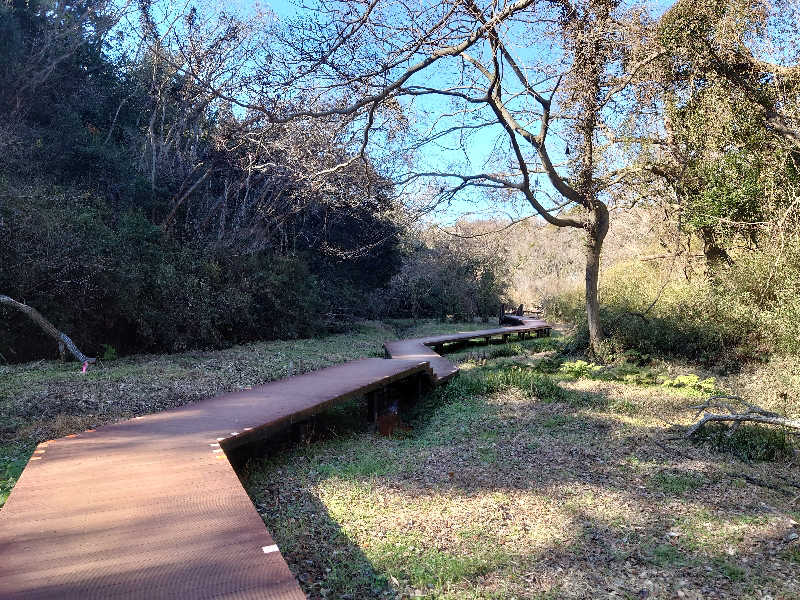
{"x": 62, "y": 338}
{"x": 745, "y": 477}
{"x": 752, "y": 414}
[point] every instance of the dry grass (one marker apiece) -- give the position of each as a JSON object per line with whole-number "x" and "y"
{"x": 503, "y": 491}
{"x": 529, "y": 476}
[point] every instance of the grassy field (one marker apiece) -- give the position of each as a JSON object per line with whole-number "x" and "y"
{"x": 49, "y": 399}
{"x": 534, "y": 474}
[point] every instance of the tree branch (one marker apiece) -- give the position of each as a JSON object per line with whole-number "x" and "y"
{"x": 62, "y": 338}
{"x": 753, "y": 414}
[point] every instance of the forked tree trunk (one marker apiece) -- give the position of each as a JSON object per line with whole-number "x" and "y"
{"x": 596, "y": 230}
{"x": 62, "y": 338}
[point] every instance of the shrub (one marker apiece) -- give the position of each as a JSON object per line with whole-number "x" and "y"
{"x": 693, "y": 382}
{"x": 579, "y": 368}
{"x": 748, "y": 442}
{"x": 120, "y": 279}
{"x": 696, "y": 319}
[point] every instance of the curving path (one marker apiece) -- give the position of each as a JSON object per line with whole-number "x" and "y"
{"x": 152, "y": 508}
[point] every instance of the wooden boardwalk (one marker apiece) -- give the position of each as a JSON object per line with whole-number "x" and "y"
{"x": 152, "y": 508}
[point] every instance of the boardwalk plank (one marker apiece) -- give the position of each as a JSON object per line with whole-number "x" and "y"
{"x": 151, "y": 507}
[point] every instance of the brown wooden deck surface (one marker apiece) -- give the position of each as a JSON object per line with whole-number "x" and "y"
{"x": 443, "y": 369}
{"x": 151, "y": 508}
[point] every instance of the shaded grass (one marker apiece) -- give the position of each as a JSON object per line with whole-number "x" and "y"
{"x": 513, "y": 468}
{"x": 507, "y": 471}
{"x": 13, "y": 458}
{"x": 748, "y": 442}
{"x": 414, "y": 328}
{"x": 676, "y": 482}
{"x": 408, "y": 556}
{"x": 49, "y": 399}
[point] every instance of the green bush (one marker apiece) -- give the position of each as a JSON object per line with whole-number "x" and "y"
{"x": 693, "y": 382}
{"x": 120, "y": 279}
{"x": 579, "y": 368}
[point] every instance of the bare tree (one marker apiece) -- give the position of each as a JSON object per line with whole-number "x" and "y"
{"x": 240, "y": 177}
{"x": 540, "y": 83}
{"x": 59, "y": 35}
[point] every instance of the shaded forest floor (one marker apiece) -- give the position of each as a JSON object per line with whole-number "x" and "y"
{"x": 534, "y": 474}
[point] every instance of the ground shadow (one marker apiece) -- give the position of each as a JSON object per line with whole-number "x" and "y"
{"x": 468, "y": 447}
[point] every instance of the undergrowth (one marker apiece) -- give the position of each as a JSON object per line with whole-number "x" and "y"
{"x": 717, "y": 322}
{"x": 526, "y": 455}
{"x": 749, "y": 442}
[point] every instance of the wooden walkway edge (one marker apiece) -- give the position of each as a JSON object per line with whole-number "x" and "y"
{"x": 152, "y": 508}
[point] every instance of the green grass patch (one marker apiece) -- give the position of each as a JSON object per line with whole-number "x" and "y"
{"x": 562, "y": 422}
{"x": 527, "y": 381}
{"x": 623, "y": 406}
{"x": 413, "y": 328}
{"x": 729, "y": 569}
{"x": 792, "y": 554}
{"x": 518, "y": 348}
{"x": 667, "y": 555}
{"x": 631, "y": 373}
{"x": 676, "y": 482}
{"x": 13, "y": 458}
{"x": 693, "y": 383}
{"x": 367, "y": 464}
{"x": 410, "y": 558}
{"x": 580, "y": 369}
{"x": 506, "y": 350}
{"x": 748, "y": 442}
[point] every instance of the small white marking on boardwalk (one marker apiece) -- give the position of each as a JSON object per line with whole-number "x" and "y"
{"x": 220, "y": 439}
{"x": 217, "y": 450}
{"x": 234, "y": 433}
{"x": 214, "y": 445}
{"x": 268, "y": 549}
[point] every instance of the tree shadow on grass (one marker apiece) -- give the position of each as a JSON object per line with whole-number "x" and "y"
{"x": 522, "y": 496}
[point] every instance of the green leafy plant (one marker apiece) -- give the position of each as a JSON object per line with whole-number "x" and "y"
{"x": 692, "y": 382}
{"x": 579, "y": 368}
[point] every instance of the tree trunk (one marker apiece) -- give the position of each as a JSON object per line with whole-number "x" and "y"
{"x": 716, "y": 256}
{"x": 596, "y": 230}
{"x": 62, "y": 338}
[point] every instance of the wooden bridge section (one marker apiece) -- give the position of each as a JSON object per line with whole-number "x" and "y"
{"x": 152, "y": 508}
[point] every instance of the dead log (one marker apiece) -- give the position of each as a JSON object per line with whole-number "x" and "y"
{"x": 751, "y": 414}
{"x": 62, "y": 338}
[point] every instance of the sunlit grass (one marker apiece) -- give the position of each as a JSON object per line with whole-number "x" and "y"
{"x": 516, "y": 464}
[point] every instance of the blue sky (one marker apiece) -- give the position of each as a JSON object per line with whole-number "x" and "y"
{"x": 466, "y": 157}
{"x": 439, "y": 155}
